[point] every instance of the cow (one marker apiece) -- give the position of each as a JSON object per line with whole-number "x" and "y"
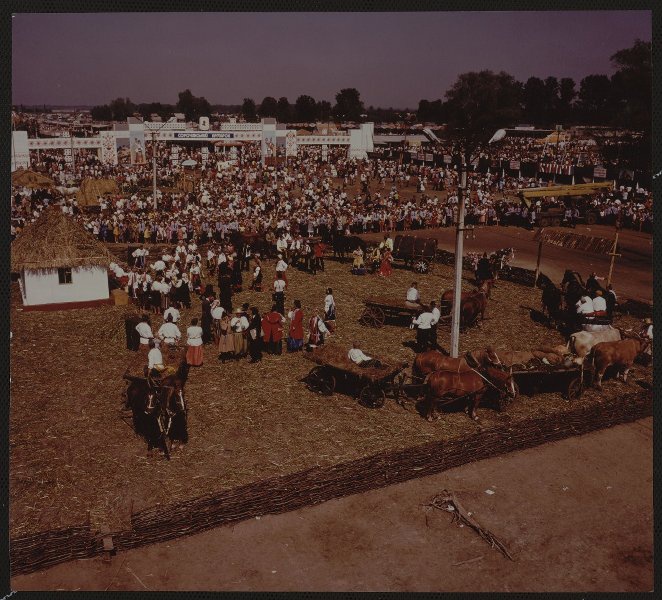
{"x": 580, "y": 343}
{"x": 448, "y": 386}
{"x": 619, "y": 354}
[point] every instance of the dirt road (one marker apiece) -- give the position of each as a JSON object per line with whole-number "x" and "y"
{"x": 633, "y": 271}
{"x": 577, "y": 515}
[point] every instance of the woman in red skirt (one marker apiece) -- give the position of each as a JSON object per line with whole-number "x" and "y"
{"x": 194, "y": 344}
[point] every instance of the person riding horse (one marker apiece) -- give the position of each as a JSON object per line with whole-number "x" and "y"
{"x": 484, "y": 269}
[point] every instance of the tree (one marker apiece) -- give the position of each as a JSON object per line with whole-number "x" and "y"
{"x": 284, "y": 110}
{"x": 478, "y": 104}
{"x": 122, "y": 108}
{"x": 101, "y": 113}
{"x": 248, "y": 110}
{"x": 632, "y": 85}
{"x": 567, "y": 95}
{"x": 192, "y": 106}
{"x": 348, "y": 105}
{"x": 268, "y": 107}
{"x": 323, "y": 110}
{"x": 534, "y": 97}
{"x": 305, "y": 109}
{"x": 595, "y": 99}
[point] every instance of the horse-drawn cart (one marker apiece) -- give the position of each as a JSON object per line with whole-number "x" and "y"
{"x": 378, "y": 309}
{"x": 336, "y": 371}
{"x": 418, "y": 253}
{"x": 570, "y": 381}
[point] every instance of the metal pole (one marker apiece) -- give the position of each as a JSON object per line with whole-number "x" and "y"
{"x": 459, "y": 249}
{"x": 535, "y": 281}
{"x": 156, "y": 203}
{"x": 613, "y": 257}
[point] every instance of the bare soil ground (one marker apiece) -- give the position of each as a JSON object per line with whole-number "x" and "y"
{"x": 577, "y": 516}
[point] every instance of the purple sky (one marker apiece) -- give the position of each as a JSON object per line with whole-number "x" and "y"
{"x": 393, "y": 59}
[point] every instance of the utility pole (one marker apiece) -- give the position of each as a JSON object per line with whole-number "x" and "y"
{"x": 459, "y": 249}
{"x": 613, "y": 257}
{"x": 155, "y": 201}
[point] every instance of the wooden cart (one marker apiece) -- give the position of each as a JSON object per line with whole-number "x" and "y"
{"x": 570, "y": 381}
{"x": 418, "y": 253}
{"x": 335, "y": 371}
{"x": 378, "y": 309}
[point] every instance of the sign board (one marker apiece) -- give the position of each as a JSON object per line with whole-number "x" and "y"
{"x": 515, "y": 165}
{"x": 108, "y": 148}
{"x": 205, "y": 154}
{"x": 429, "y": 156}
{"x": 447, "y": 159}
{"x": 203, "y": 135}
{"x": 600, "y": 172}
{"x": 291, "y": 143}
{"x": 68, "y": 156}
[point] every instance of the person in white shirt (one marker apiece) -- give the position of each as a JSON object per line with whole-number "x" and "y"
{"x": 171, "y": 313}
{"x": 585, "y": 307}
{"x": 413, "y": 297}
{"x": 239, "y": 325}
{"x": 599, "y": 305}
{"x": 154, "y": 363}
{"x": 194, "y": 344}
{"x": 279, "y": 292}
{"x": 329, "y": 308}
{"x": 436, "y": 313}
{"x": 281, "y": 267}
{"x": 145, "y": 332}
{"x": 424, "y": 323}
{"x": 356, "y": 355}
{"x": 169, "y": 332}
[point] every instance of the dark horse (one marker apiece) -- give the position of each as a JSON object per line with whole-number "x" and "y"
{"x": 573, "y": 288}
{"x": 551, "y": 302}
{"x": 345, "y": 244}
{"x": 159, "y": 415}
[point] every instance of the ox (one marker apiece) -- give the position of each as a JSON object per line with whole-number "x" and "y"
{"x": 580, "y": 343}
{"x": 449, "y": 386}
{"x": 619, "y": 354}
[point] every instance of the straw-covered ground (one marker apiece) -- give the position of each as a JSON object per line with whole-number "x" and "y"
{"x": 72, "y": 453}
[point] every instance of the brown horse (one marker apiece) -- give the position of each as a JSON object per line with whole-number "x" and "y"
{"x": 448, "y": 386}
{"x": 433, "y": 360}
{"x": 472, "y": 308}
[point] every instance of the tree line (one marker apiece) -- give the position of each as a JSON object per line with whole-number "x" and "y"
{"x": 477, "y": 99}
{"x": 624, "y": 99}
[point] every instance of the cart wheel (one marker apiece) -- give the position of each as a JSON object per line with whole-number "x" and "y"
{"x": 422, "y": 266}
{"x": 575, "y": 389}
{"x": 372, "y": 396}
{"x": 365, "y": 318}
{"x": 321, "y": 381}
{"x": 376, "y": 317}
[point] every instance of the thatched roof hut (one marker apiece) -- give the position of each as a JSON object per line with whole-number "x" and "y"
{"x": 31, "y": 179}
{"x": 56, "y": 241}
{"x": 91, "y": 188}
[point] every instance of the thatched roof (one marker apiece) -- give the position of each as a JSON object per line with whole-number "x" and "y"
{"x": 91, "y": 189}
{"x": 55, "y": 241}
{"x": 31, "y": 179}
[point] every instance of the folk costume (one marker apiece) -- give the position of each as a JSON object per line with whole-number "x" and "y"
{"x": 272, "y": 325}
{"x": 255, "y": 338}
{"x": 239, "y": 325}
{"x": 225, "y": 339}
{"x": 194, "y": 346}
{"x": 295, "y": 337}
{"x": 385, "y": 268}
{"x": 316, "y": 331}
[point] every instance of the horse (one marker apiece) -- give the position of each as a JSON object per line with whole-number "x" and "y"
{"x": 551, "y": 302}
{"x": 344, "y": 244}
{"x": 471, "y": 308}
{"x": 449, "y": 386}
{"x": 159, "y": 413}
{"x": 573, "y": 288}
{"x": 433, "y": 360}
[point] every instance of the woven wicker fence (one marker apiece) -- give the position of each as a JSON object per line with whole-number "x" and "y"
{"x": 305, "y": 488}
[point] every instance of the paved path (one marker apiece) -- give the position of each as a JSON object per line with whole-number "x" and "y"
{"x": 576, "y": 514}
{"x": 632, "y": 277}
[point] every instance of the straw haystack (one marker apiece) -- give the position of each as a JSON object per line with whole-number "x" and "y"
{"x": 31, "y": 179}
{"x": 61, "y": 265}
{"x": 91, "y": 189}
